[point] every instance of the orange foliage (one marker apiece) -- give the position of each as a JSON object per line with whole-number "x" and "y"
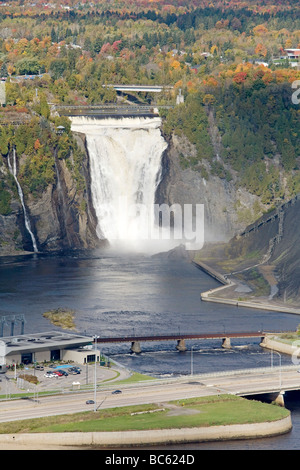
{"x": 240, "y": 77}
{"x": 260, "y": 30}
{"x": 37, "y": 144}
{"x": 261, "y": 50}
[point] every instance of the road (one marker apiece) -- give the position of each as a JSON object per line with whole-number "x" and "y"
{"x": 157, "y": 392}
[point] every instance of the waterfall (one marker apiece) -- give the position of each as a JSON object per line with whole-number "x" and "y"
{"x": 13, "y": 169}
{"x": 125, "y": 166}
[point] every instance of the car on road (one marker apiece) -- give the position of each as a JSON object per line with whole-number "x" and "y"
{"x": 116, "y": 392}
{"x": 90, "y": 402}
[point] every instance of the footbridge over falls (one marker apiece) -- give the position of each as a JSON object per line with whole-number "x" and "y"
{"x": 180, "y": 339}
{"x": 140, "y": 88}
{"x": 112, "y": 110}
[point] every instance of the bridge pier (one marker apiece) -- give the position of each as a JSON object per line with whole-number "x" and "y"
{"x": 226, "y": 343}
{"x": 136, "y": 347}
{"x": 264, "y": 342}
{"x": 181, "y": 345}
{"x": 279, "y": 400}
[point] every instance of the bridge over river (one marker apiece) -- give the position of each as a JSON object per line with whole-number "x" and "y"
{"x": 181, "y": 338}
{"x": 271, "y": 382}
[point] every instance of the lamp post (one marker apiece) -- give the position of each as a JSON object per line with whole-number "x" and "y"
{"x": 95, "y": 377}
{"x": 192, "y": 365}
{"x": 272, "y": 351}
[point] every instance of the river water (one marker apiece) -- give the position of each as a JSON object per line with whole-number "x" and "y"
{"x": 116, "y": 295}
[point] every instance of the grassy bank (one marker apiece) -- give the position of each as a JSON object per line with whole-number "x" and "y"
{"x": 196, "y": 412}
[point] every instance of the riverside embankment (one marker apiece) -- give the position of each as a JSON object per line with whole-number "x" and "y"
{"x": 147, "y": 437}
{"x": 277, "y": 344}
{"x": 227, "y": 293}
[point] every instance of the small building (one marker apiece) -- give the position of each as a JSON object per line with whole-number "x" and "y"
{"x": 46, "y": 347}
{"x": 179, "y": 97}
{"x": 293, "y": 56}
{"x": 206, "y": 55}
{"x": 261, "y": 62}
{"x": 60, "y": 130}
{"x": 293, "y": 53}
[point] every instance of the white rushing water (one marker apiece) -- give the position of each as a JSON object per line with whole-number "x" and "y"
{"x": 125, "y": 166}
{"x": 13, "y": 169}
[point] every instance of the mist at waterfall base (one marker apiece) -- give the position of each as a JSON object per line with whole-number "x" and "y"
{"x": 125, "y": 158}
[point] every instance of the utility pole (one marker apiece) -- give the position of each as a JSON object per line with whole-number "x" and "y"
{"x": 95, "y": 370}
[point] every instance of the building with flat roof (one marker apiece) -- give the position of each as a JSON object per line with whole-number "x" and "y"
{"x": 293, "y": 53}
{"x": 46, "y": 347}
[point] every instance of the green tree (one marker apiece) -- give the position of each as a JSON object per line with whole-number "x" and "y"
{"x": 30, "y": 66}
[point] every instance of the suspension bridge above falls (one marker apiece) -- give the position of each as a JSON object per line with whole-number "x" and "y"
{"x": 136, "y": 340}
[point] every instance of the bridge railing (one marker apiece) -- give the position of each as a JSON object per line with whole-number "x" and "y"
{"x": 187, "y": 336}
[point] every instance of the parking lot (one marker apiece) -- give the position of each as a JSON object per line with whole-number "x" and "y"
{"x": 58, "y": 378}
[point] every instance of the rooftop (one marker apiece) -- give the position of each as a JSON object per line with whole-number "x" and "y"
{"x": 45, "y": 340}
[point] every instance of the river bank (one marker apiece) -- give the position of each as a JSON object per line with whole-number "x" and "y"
{"x": 156, "y": 302}
{"x": 126, "y": 439}
{"x": 232, "y": 292}
{"x": 215, "y": 418}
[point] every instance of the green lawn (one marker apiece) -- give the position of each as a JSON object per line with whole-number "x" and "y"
{"x": 205, "y": 411}
{"x": 135, "y": 377}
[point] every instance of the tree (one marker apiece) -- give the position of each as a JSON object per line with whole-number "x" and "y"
{"x": 57, "y": 68}
{"x": 28, "y": 66}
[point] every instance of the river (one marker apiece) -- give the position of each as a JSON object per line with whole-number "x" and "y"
{"x": 135, "y": 294}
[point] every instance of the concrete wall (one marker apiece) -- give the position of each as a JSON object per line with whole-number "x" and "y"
{"x": 79, "y": 356}
{"x": 38, "y": 356}
{"x": 167, "y": 436}
{"x": 271, "y": 343}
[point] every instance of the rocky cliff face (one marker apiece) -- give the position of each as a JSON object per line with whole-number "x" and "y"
{"x": 268, "y": 249}
{"x": 227, "y": 209}
{"x": 62, "y": 217}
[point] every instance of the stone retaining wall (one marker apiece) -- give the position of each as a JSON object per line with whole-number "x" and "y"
{"x": 276, "y": 345}
{"x": 136, "y": 438}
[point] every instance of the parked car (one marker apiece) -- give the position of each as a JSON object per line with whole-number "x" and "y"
{"x": 57, "y": 372}
{"x": 38, "y": 367}
{"x": 63, "y": 372}
{"x": 74, "y": 370}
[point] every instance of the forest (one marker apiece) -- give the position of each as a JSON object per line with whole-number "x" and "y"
{"x": 228, "y": 59}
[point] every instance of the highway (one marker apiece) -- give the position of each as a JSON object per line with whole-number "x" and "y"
{"x": 243, "y": 383}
